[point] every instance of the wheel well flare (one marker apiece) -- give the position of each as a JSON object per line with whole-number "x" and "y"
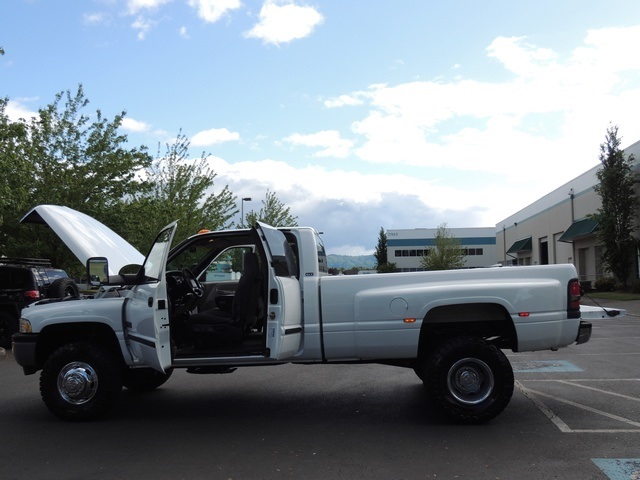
{"x": 54, "y": 336}
{"x": 489, "y": 321}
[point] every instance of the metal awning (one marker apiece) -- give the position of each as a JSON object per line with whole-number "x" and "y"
{"x": 578, "y": 229}
{"x": 522, "y": 245}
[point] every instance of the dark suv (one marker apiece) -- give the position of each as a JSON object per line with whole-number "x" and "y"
{"x": 24, "y": 281}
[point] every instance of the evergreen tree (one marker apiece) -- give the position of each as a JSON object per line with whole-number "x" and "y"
{"x": 616, "y": 216}
{"x": 446, "y": 254}
{"x": 381, "y": 249}
{"x": 382, "y": 261}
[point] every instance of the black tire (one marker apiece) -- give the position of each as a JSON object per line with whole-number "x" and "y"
{"x": 81, "y": 381}
{"x": 469, "y": 380}
{"x": 8, "y": 326}
{"x": 144, "y": 379}
{"x": 63, "y": 287}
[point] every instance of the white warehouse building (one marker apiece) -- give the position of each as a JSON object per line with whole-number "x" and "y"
{"x": 405, "y": 247}
{"x": 557, "y": 227}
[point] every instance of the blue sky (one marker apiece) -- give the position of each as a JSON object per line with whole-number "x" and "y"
{"x": 358, "y": 114}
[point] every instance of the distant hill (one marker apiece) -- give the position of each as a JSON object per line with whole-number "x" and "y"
{"x": 351, "y": 261}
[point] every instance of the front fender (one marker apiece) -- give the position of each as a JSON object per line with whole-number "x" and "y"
{"x": 107, "y": 311}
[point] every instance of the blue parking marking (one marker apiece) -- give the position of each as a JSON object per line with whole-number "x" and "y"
{"x": 619, "y": 468}
{"x": 547, "y": 366}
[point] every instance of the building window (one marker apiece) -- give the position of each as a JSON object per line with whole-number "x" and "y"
{"x": 410, "y": 253}
{"x": 472, "y": 251}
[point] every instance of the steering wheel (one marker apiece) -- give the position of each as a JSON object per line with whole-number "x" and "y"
{"x": 192, "y": 283}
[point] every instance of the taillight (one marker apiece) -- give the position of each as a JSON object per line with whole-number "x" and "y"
{"x": 31, "y": 295}
{"x": 573, "y": 309}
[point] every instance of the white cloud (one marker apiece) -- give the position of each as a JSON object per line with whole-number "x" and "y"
{"x": 343, "y": 101}
{"x": 183, "y": 32}
{"x": 135, "y": 126}
{"x": 282, "y": 21}
{"x": 611, "y": 48}
{"x": 143, "y": 26}
{"x": 213, "y": 10}
{"x": 552, "y": 109}
{"x": 351, "y": 206}
{"x": 135, "y": 6}
{"x": 17, "y": 110}
{"x": 329, "y": 141}
{"x": 95, "y": 18}
{"x": 213, "y": 136}
{"x": 519, "y": 57}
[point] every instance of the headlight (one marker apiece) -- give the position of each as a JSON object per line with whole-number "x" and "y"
{"x": 25, "y": 326}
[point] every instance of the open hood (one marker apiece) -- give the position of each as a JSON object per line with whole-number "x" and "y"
{"x": 85, "y": 236}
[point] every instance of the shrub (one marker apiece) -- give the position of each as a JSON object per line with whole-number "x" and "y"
{"x": 605, "y": 284}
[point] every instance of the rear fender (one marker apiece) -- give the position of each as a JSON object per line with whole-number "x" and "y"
{"x": 490, "y": 321}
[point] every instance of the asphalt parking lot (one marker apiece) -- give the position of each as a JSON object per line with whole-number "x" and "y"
{"x": 592, "y": 391}
{"x": 575, "y": 414}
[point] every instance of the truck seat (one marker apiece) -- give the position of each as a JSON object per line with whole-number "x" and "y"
{"x": 218, "y": 327}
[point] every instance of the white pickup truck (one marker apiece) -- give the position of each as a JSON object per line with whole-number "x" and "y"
{"x": 448, "y": 326}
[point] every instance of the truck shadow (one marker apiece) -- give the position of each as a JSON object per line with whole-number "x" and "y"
{"x": 219, "y": 405}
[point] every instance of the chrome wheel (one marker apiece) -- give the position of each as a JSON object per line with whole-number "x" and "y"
{"x": 77, "y": 383}
{"x": 470, "y": 381}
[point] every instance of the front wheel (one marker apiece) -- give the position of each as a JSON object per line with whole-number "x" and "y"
{"x": 81, "y": 381}
{"x": 469, "y": 380}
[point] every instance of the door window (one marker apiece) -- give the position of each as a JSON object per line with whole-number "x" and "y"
{"x": 153, "y": 265}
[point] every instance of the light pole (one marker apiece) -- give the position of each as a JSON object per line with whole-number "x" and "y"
{"x": 246, "y": 199}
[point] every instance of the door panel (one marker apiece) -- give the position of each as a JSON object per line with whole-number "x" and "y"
{"x": 146, "y": 309}
{"x": 284, "y": 306}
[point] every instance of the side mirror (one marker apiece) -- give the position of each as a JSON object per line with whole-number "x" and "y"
{"x": 98, "y": 271}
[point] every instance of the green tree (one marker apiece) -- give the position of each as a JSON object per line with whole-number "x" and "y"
{"x": 66, "y": 157}
{"x": 616, "y": 216}
{"x": 382, "y": 264}
{"x": 273, "y": 212}
{"x": 381, "y": 249}
{"x": 15, "y": 169}
{"x": 180, "y": 190}
{"x": 446, "y": 254}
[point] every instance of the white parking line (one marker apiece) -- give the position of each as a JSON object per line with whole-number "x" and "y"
{"x": 607, "y": 392}
{"x": 562, "y": 426}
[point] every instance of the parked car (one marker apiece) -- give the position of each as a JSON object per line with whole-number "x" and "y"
{"x": 24, "y": 281}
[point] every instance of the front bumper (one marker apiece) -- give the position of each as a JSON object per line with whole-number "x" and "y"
{"x": 584, "y": 332}
{"x": 24, "y": 351}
